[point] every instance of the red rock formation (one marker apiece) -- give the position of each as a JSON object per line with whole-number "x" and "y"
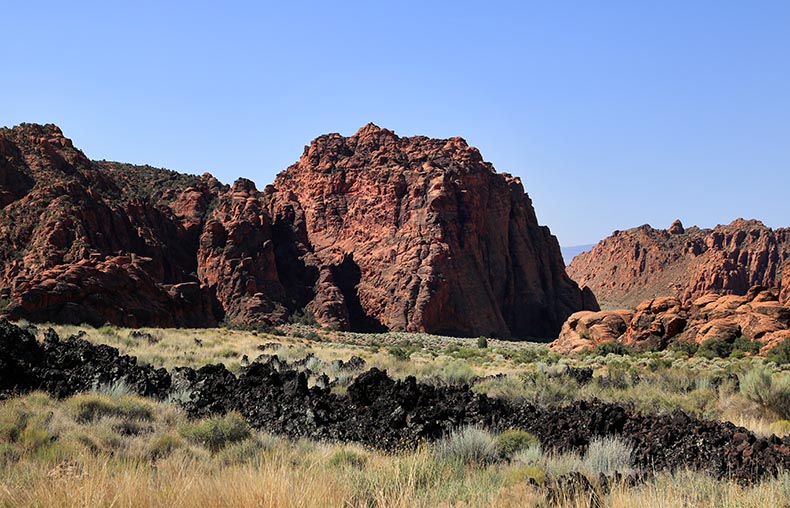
{"x": 118, "y": 290}
{"x": 655, "y": 323}
{"x": 236, "y": 258}
{"x": 84, "y": 241}
{"x": 368, "y": 232}
{"x": 784, "y": 296}
{"x": 421, "y": 234}
{"x": 643, "y": 263}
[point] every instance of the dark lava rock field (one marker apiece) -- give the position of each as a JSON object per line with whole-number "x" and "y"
{"x": 381, "y": 412}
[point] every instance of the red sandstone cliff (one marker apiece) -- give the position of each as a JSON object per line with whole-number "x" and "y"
{"x": 421, "y": 234}
{"x": 368, "y": 232}
{"x": 643, "y": 263}
{"x": 84, "y": 241}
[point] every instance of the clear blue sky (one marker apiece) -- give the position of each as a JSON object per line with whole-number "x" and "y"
{"x": 614, "y": 114}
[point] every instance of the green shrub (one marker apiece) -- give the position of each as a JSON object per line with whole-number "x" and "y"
{"x": 780, "y": 353}
{"x": 164, "y": 445}
{"x": 512, "y": 441}
{"x": 607, "y": 455}
{"x": 457, "y": 372}
{"x": 771, "y": 391}
{"x": 245, "y": 452}
{"x": 545, "y": 390}
{"x": 685, "y": 347}
{"x": 92, "y": 406}
{"x": 656, "y": 364}
{"x": 8, "y": 454}
{"x": 466, "y": 353}
{"x": 744, "y": 345}
{"x": 470, "y": 445}
{"x": 217, "y": 432}
{"x": 613, "y": 348}
{"x": 303, "y": 317}
{"x": 402, "y": 353}
{"x": 26, "y": 429}
{"x": 714, "y": 348}
{"x": 482, "y": 342}
{"x": 108, "y": 330}
{"x": 312, "y": 336}
{"x": 522, "y": 355}
{"x": 509, "y": 388}
{"x": 228, "y": 353}
{"x": 524, "y": 473}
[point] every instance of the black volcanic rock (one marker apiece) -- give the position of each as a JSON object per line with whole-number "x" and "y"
{"x": 382, "y": 412}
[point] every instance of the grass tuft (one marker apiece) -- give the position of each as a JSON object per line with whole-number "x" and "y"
{"x": 217, "y": 432}
{"x": 469, "y": 445}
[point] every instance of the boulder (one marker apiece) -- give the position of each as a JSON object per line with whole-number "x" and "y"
{"x": 658, "y": 322}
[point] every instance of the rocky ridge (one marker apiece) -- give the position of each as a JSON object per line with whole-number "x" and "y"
{"x": 366, "y": 232}
{"x": 644, "y": 263}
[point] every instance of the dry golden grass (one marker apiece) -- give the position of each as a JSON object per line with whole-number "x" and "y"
{"x": 195, "y": 347}
{"x": 78, "y": 453}
{"x": 116, "y": 450}
{"x": 288, "y": 477}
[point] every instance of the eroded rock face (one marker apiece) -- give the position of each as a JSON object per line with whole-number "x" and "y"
{"x": 419, "y": 234}
{"x": 96, "y": 242}
{"x": 655, "y": 323}
{"x": 643, "y": 263}
{"x": 236, "y": 258}
{"x": 784, "y": 296}
{"x": 369, "y": 232}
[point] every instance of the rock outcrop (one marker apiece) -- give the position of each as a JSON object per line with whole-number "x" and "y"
{"x": 784, "y": 296}
{"x": 655, "y": 323}
{"x": 420, "y": 234}
{"x": 368, "y": 232}
{"x": 96, "y": 242}
{"x": 686, "y": 263}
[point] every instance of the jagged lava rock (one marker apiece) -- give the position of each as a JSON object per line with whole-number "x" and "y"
{"x": 383, "y": 412}
{"x": 643, "y": 263}
{"x": 420, "y": 234}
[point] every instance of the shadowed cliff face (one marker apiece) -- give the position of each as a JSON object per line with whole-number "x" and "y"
{"x": 368, "y": 232}
{"x": 441, "y": 242}
{"x": 643, "y": 263}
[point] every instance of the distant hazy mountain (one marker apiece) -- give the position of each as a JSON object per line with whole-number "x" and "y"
{"x": 568, "y": 253}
